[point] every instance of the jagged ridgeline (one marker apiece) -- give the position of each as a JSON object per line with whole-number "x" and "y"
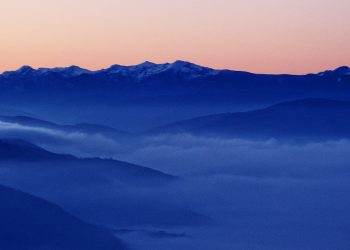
{"x": 149, "y": 94}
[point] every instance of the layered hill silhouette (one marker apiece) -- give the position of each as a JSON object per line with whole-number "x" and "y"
{"x": 307, "y": 118}
{"x": 149, "y": 94}
{"x": 79, "y": 168}
{"x": 28, "y": 222}
{"x": 102, "y": 191}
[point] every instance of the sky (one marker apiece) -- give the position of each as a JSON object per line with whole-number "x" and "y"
{"x": 262, "y": 36}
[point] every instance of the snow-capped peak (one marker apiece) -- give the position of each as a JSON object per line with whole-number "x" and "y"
{"x": 344, "y": 70}
{"x": 146, "y": 64}
{"x": 147, "y": 69}
{"x": 341, "y": 71}
{"x": 25, "y": 70}
{"x": 66, "y": 71}
{"x": 191, "y": 68}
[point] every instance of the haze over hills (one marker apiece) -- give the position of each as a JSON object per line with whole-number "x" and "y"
{"x": 143, "y": 96}
{"x": 28, "y": 222}
{"x": 306, "y": 118}
{"x": 94, "y": 189}
{"x": 309, "y": 118}
{"x": 93, "y": 169}
{"x": 81, "y": 127}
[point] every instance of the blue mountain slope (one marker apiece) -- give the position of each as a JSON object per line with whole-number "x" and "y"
{"x": 181, "y": 79}
{"x": 102, "y": 191}
{"x": 29, "y": 223}
{"x": 149, "y": 94}
{"x": 75, "y": 168}
{"x": 307, "y": 118}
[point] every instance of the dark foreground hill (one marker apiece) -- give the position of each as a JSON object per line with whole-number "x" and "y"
{"x": 31, "y": 223}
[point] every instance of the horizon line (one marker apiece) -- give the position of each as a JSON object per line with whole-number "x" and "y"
{"x": 166, "y": 63}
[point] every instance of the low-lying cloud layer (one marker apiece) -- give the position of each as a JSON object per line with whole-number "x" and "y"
{"x": 77, "y": 143}
{"x": 188, "y": 155}
{"x": 259, "y": 194}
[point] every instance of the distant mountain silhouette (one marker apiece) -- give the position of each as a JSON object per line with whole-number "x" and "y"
{"x": 307, "y": 118}
{"x": 28, "y": 222}
{"x": 137, "y": 72}
{"x": 149, "y": 94}
{"x": 181, "y": 79}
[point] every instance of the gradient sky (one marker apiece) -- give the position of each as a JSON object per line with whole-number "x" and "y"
{"x": 268, "y": 36}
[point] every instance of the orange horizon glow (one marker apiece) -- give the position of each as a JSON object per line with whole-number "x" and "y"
{"x": 267, "y": 36}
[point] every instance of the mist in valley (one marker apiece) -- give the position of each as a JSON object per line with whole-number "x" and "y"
{"x": 231, "y": 192}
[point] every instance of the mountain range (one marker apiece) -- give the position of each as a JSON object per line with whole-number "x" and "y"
{"x": 149, "y": 94}
{"x": 137, "y": 72}
{"x": 182, "y": 69}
